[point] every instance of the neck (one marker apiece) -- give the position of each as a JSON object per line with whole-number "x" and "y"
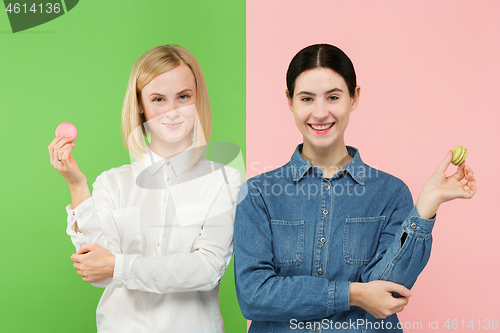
{"x": 330, "y": 159}
{"x": 169, "y": 149}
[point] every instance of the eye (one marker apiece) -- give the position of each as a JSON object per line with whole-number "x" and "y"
{"x": 158, "y": 99}
{"x": 184, "y": 96}
{"x": 306, "y": 99}
{"x": 333, "y": 98}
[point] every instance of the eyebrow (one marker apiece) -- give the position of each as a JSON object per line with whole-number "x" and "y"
{"x": 156, "y": 93}
{"x": 326, "y": 93}
{"x": 179, "y": 93}
{"x": 185, "y": 90}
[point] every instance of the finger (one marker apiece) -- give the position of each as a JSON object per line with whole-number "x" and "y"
{"x": 446, "y": 162}
{"x": 469, "y": 174}
{"x": 460, "y": 174}
{"x": 472, "y": 186}
{"x": 398, "y": 309}
{"x": 61, "y": 152}
{"x": 55, "y": 141}
{"x": 400, "y": 289}
{"x": 52, "y": 147}
{"x": 55, "y": 149}
{"x": 402, "y": 301}
{"x": 468, "y": 169}
{"x": 80, "y": 272}
{"x": 66, "y": 151}
{"x": 75, "y": 257}
{"x": 86, "y": 248}
{"x": 63, "y": 142}
{"x": 470, "y": 190}
{"x": 77, "y": 266}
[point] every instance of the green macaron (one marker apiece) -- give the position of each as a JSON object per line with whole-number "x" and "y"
{"x": 459, "y": 155}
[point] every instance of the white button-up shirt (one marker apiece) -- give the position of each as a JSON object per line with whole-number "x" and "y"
{"x": 169, "y": 223}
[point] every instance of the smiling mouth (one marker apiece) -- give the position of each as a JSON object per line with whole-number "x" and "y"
{"x": 172, "y": 125}
{"x": 321, "y": 127}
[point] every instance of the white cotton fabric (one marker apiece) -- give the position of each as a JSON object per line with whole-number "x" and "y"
{"x": 169, "y": 223}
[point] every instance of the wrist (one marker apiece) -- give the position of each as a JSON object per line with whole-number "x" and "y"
{"x": 79, "y": 194}
{"x": 427, "y": 206}
{"x": 80, "y": 186}
{"x": 354, "y": 293}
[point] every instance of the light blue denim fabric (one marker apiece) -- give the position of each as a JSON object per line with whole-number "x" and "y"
{"x": 300, "y": 239}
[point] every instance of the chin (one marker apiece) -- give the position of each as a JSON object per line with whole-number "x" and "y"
{"x": 321, "y": 143}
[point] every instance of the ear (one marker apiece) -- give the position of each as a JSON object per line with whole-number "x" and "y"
{"x": 140, "y": 107}
{"x": 355, "y": 99}
{"x": 290, "y": 105}
{"x": 139, "y": 103}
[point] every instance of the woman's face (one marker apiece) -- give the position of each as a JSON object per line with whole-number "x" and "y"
{"x": 169, "y": 106}
{"x": 321, "y": 105}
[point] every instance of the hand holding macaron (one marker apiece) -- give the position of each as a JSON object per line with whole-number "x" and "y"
{"x": 439, "y": 188}
{"x": 61, "y": 157}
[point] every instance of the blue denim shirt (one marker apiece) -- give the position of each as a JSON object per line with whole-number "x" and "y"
{"x": 301, "y": 239}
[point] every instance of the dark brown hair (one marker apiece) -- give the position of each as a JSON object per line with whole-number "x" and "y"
{"x": 321, "y": 55}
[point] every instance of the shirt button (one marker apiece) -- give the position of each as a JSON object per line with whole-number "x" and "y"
{"x": 158, "y": 244}
{"x": 323, "y": 240}
{"x": 320, "y": 271}
{"x": 413, "y": 226}
{"x": 327, "y": 187}
{"x": 168, "y": 163}
{"x": 316, "y": 329}
{"x": 325, "y": 212}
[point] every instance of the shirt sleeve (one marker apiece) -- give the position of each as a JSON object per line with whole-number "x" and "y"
{"x": 404, "y": 247}
{"x": 90, "y": 214}
{"x": 262, "y": 294}
{"x": 200, "y": 270}
{"x": 90, "y": 229}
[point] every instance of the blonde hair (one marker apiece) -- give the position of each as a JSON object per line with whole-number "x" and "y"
{"x": 154, "y": 62}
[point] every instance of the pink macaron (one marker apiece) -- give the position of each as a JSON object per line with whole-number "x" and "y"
{"x": 68, "y": 129}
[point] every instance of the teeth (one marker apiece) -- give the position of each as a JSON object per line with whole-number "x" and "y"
{"x": 323, "y": 127}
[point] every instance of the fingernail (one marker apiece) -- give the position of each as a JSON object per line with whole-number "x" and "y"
{"x": 409, "y": 293}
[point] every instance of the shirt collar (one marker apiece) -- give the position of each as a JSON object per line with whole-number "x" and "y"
{"x": 180, "y": 162}
{"x": 355, "y": 168}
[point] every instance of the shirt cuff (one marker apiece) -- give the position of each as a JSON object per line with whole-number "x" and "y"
{"x": 338, "y": 296}
{"x": 123, "y": 269}
{"x": 118, "y": 271}
{"x": 418, "y": 226}
{"x": 81, "y": 214}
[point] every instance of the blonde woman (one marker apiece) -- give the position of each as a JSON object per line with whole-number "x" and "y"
{"x": 157, "y": 233}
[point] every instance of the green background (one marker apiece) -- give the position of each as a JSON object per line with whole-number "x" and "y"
{"x": 75, "y": 68}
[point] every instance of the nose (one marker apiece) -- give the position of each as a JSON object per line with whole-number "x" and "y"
{"x": 172, "y": 110}
{"x": 320, "y": 110}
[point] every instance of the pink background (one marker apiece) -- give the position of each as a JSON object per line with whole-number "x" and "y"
{"x": 429, "y": 75}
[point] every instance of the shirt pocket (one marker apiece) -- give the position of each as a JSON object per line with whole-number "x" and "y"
{"x": 288, "y": 242}
{"x": 187, "y": 228}
{"x": 360, "y": 240}
{"x": 128, "y": 223}
{"x": 192, "y": 215}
